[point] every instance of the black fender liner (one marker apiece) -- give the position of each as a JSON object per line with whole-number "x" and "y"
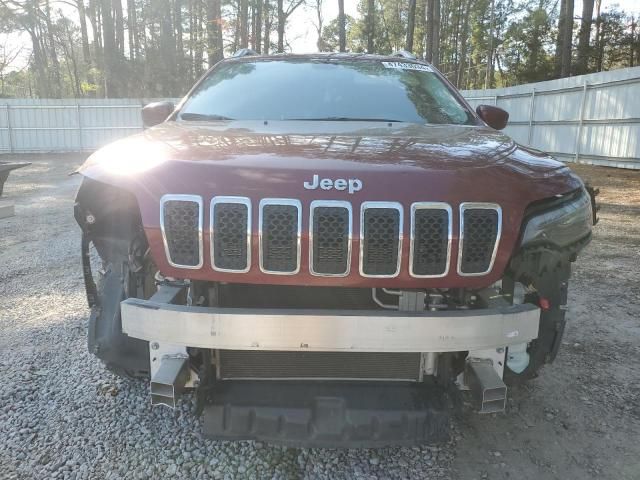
{"x": 547, "y": 269}
{"x": 110, "y": 221}
{"x": 123, "y": 355}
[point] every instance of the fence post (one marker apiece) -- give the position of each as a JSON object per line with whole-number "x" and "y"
{"x": 532, "y": 110}
{"x": 580, "y": 123}
{"x": 9, "y": 133}
{"x": 79, "y": 119}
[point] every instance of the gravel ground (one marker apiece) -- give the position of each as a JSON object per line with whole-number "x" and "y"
{"x": 62, "y": 415}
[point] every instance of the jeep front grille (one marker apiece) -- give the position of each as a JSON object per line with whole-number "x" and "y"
{"x": 231, "y": 234}
{"x": 381, "y": 239}
{"x": 480, "y": 229}
{"x": 280, "y": 224}
{"x": 330, "y": 238}
{"x": 330, "y": 232}
{"x": 181, "y": 225}
{"x": 430, "y": 239}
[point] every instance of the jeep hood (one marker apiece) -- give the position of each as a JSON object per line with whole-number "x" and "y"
{"x": 403, "y": 163}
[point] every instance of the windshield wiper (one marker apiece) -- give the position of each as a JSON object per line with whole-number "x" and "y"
{"x": 203, "y": 116}
{"x": 343, "y": 119}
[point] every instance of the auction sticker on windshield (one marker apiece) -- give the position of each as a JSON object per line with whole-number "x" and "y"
{"x": 408, "y": 66}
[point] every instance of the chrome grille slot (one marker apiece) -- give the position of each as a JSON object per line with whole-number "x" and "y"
{"x": 231, "y": 234}
{"x": 430, "y": 239}
{"x": 280, "y": 224}
{"x": 181, "y": 225}
{"x": 380, "y": 239}
{"x": 480, "y": 230}
{"x": 330, "y": 238}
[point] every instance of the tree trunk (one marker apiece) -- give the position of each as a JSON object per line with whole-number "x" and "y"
{"x": 320, "y": 20}
{"x": 86, "y": 54}
{"x": 97, "y": 36}
{"x": 342, "y": 34}
{"x": 463, "y": 44}
{"x": 567, "y": 41}
{"x": 215, "y": 49}
{"x": 258, "y": 26}
{"x": 281, "y": 21}
{"x": 599, "y": 46}
{"x": 419, "y": 33}
{"x": 267, "y": 27}
{"x": 165, "y": 76}
{"x": 582, "y": 63}
{"x": 177, "y": 21}
{"x": 459, "y": 11}
{"x": 244, "y": 23}
{"x": 52, "y": 51}
{"x": 132, "y": 29}
{"x": 72, "y": 63}
{"x": 637, "y": 42}
{"x": 489, "y": 72}
{"x": 436, "y": 33}
{"x": 632, "y": 43}
{"x": 201, "y": 31}
{"x": 411, "y": 25}
{"x": 371, "y": 25}
{"x": 428, "y": 54}
{"x": 560, "y": 39}
{"x": 110, "y": 70}
{"x": 236, "y": 27}
{"x": 192, "y": 39}
{"x": 252, "y": 32}
{"x": 41, "y": 83}
{"x": 564, "y": 40}
{"x": 119, "y": 19}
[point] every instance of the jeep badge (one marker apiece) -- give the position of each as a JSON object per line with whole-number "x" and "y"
{"x": 353, "y": 185}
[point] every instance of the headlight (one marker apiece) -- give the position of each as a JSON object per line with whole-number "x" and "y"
{"x": 563, "y": 225}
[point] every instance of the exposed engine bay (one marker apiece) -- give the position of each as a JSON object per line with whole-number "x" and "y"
{"x": 230, "y": 340}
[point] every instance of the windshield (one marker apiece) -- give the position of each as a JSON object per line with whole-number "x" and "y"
{"x": 326, "y": 89}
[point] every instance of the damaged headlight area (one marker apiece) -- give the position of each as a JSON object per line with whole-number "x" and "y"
{"x": 562, "y": 224}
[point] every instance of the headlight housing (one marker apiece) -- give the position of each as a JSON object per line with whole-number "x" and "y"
{"x": 563, "y": 225}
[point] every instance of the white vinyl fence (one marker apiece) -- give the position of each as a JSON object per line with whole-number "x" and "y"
{"x": 66, "y": 125}
{"x": 592, "y": 118}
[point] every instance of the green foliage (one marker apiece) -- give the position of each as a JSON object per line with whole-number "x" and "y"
{"x": 145, "y": 48}
{"x": 330, "y": 36}
{"x": 527, "y": 45}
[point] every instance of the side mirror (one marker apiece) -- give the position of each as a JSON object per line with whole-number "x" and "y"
{"x": 493, "y": 116}
{"x": 156, "y": 112}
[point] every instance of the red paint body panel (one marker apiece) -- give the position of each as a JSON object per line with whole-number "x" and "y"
{"x": 404, "y": 163}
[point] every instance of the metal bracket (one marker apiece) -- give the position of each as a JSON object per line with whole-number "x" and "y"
{"x": 483, "y": 376}
{"x": 412, "y": 301}
{"x": 170, "y": 373}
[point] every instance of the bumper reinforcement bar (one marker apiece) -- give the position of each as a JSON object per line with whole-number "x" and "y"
{"x": 329, "y": 330}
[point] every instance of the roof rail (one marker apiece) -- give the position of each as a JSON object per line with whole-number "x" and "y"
{"x": 244, "y": 52}
{"x": 404, "y": 54}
